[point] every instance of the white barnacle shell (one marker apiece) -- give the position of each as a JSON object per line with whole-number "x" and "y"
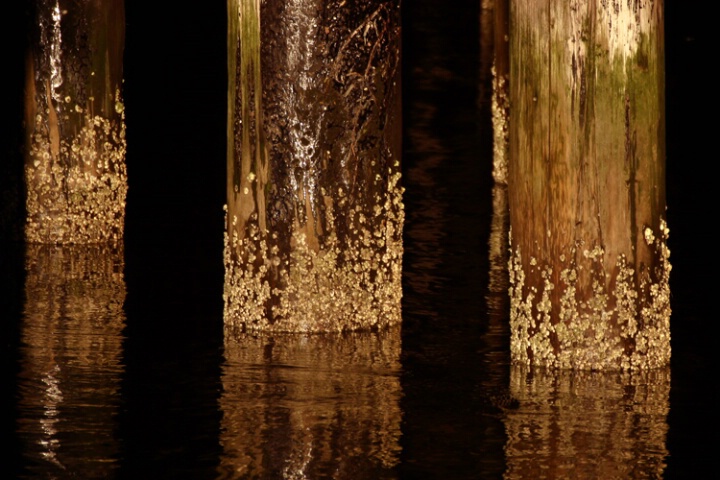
{"x": 649, "y": 236}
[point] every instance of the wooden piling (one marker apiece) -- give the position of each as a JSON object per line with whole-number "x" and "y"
{"x": 314, "y": 214}
{"x": 589, "y": 264}
{"x": 75, "y": 172}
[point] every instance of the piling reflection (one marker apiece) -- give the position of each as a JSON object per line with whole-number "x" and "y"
{"x": 71, "y": 366}
{"x": 309, "y": 406}
{"x": 581, "y": 424}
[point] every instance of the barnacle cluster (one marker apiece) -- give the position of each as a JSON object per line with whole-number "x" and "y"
{"x": 500, "y": 121}
{"x": 314, "y": 219}
{"x": 622, "y": 321}
{"x": 353, "y": 283}
{"x": 76, "y": 182}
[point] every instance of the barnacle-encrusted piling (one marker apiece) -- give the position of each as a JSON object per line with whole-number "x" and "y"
{"x": 589, "y": 266}
{"x": 500, "y": 89}
{"x": 314, "y": 217}
{"x": 75, "y": 172}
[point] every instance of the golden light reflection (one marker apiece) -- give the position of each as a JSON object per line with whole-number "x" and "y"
{"x": 580, "y": 424}
{"x": 71, "y": 360}
{"x": 311, "y": 406}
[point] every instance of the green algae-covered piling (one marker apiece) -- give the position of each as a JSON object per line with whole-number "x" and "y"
{"x": 75, "y": 170}
{"x": 314, "y": 217}
{"x": 589, "y": 265}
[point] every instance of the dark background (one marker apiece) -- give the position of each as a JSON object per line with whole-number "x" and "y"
{"x": 175, "y": 97}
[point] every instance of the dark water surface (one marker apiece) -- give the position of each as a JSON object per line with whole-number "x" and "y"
{"x": 119, "y": 366}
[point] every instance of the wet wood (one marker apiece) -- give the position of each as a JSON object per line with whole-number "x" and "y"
{"x": 314, "y": 213}
{"x": 501, "y": 93}
{"x": 75, "y": 171}
{"x": 587, "y": 184}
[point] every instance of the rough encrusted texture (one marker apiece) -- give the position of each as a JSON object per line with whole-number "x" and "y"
{"x": 351, "y": 285}
{"x": 314, "y": 216}
{"x": 75, "y": 172}
{"x": 624, "y": 324}
{"x": 500, "y": 111}
{"x": 586, "y": 185}
{"x": 77, "y": 185}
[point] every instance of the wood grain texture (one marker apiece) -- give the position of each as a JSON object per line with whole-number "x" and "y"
{"x": 587, "y": 184}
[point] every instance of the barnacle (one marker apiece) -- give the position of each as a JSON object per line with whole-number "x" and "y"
{"x": 620, "y": 324}
{"x": 77, "y": 193}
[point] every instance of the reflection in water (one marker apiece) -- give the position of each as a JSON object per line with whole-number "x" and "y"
{"x": 71, "y": 360}
{"x": 585, "y": 424}
{"x": 309, "y": 406}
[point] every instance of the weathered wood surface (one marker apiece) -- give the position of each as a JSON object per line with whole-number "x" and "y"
{"x": 589, "y": 264}
{"x": 314, "y": 213}
{"x": 501, "y": 93}
{"x": 75, "y": 171}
